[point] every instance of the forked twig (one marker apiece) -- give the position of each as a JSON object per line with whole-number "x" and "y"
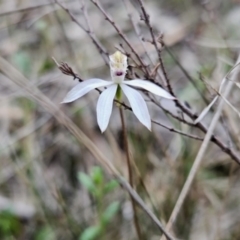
{"x": 88, "y": 31}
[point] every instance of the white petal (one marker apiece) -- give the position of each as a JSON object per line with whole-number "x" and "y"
{"x": 151, "y": 87}
{"x": 138, "y": 105}
{"x": 85, "y": 87}
{"x": 104, "y": 106}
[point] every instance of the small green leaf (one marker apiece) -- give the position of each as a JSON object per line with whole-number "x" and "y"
{"x": 97, "y": 175}
{"x": 9, "y": 224}
{"x": 46, "y": 233}
{"x": 90, "y": 233}
{"x": 23, "y": 61}
{"x": 110, "y": 186}
{"x": 110, "y": 212}
{"x": 86, "y": 182}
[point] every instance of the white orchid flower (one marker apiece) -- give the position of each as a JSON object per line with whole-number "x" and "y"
{"x": 118, "y": 67}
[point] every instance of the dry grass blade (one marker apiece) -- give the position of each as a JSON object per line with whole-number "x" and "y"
{"x": 206, "y": 110}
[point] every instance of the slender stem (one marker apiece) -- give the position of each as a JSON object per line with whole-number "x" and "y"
{"x": 136, "y": 222}
{"x": 126, "y": 146}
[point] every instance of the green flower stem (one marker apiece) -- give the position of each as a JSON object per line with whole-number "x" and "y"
{"x": 119, "y": 93}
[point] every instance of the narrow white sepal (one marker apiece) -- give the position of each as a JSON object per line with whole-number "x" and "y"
{"x": 104, "y": 106}
{"x": 138, "y": 105}
{"x": 151, "y": 87}
{"x": 84, "y": 87}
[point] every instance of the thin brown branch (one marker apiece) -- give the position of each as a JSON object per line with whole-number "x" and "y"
{"x": 92, "y": 36}
{"x": 85, "y": 14}
{"x": 137, "y": 31}
{"x": 171, "y": 129}
{"x": 31, "y": 8}
{"x": 204, "y": 129}
{"x": 146, "y": 19}
{"x": 187, "y": 75}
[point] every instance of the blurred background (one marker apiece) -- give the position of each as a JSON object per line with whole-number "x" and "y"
{"x": 51, "y": 186}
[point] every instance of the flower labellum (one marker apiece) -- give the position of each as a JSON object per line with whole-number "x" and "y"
{"x": 118, "y": 69}
{"x": 118, "y": 66}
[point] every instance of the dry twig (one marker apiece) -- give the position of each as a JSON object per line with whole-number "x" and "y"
{"x": 88, "y": 31}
